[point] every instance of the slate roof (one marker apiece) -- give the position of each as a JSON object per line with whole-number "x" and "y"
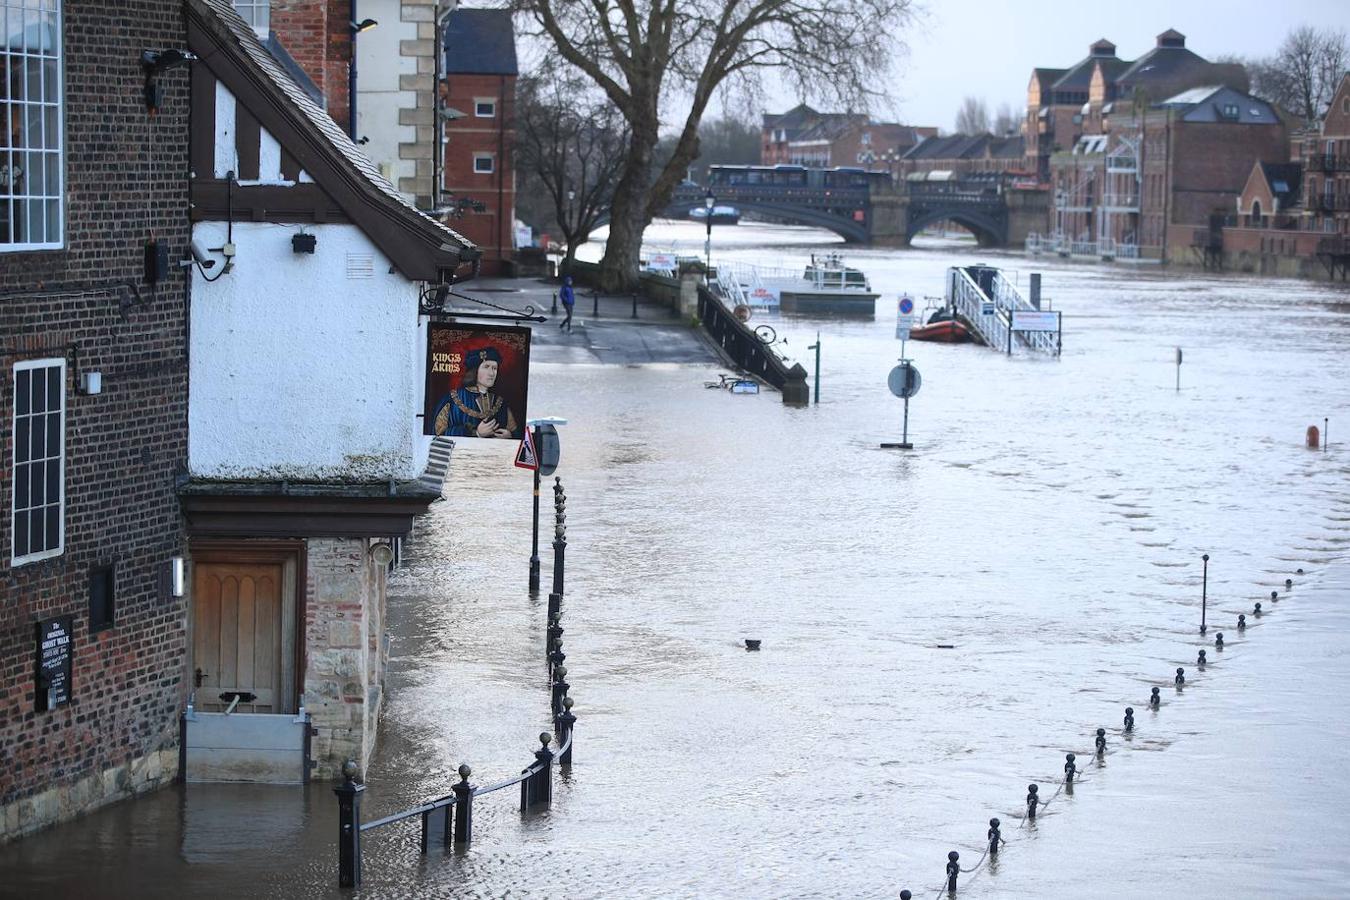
{"x": 968, "y": 146}
{"x": 1286, "y": 182}
{"x": 1206, "y": 104}
{"x": 793, "y": 118}
{"x": 480, "y": 42}
{"x": 239, "y": 41}
{"x": 1079, "y": 76}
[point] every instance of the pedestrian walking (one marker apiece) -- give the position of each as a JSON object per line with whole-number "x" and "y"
{"x": 569, "y": 300}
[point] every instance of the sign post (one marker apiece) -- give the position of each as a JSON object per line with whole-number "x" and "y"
{"x": 1178, "y": 369}
{"x": 904, "y": 381}
{"x": 542, "y": 439}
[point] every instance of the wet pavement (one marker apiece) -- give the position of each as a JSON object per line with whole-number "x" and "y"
{"x": 605, "y": 330}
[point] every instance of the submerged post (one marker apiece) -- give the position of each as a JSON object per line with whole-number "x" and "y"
{"x": 1204, "y": 591}
{"x": 463, "y": 808}
{"x": 534, "y": 530}
{"x": 816, "y": 347}
{"x": 565, "y": 723}
{"x": 349, "y": 826}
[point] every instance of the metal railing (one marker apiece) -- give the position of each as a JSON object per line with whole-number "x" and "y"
{"x": 1082, "y": 248}
{"x": 1121, "y": 200}
{"x": 969, "y": 300}
{"x": 747, "y": 351}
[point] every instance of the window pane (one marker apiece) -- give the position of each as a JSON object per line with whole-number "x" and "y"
{"x": 20, "y": 533}
{"x": 53, "y": 528}
{"x": 37, "y": 527}
{"x": 38, "y": 496}
{"x": 21, "y": 440}
{"x": 39, "y": 441}
{"x": 21, "y": 487}
{"x": 53, "y": 435}
{"x": 21, "y": 389}
{"x": 54, "y": 389}
{"x": 53, "y": 221}
{"x": 54, "y": 481}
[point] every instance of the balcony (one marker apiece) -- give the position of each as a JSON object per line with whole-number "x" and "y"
{"x": 1121, "y": 200}
{"x": 1328, "y": 162}
{"x": 1124, "y": 164}
{"x": 1329, "y": 203}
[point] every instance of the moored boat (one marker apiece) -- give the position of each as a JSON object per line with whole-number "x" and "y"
{"x": 828, "y": 286}
{"x": 942, "y": 327}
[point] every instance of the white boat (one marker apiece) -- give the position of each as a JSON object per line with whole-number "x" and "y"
{"x": 828, "y": 286}
{"x": 721, "y": 215}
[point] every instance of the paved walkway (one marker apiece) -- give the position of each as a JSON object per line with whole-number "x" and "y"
{"x": 613, "y": 337}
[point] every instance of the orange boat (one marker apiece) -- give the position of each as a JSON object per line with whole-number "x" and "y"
{"x": 943, "y": 331}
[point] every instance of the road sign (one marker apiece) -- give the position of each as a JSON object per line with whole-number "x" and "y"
{"x": 906, "y": 305}
{"x": 548, "y": 449}
{"x": 1035, "y": 320}
{"x": 904, "y": 381}
{"x": 526, "y": 457}
{"x": 904, "y": 318}
{"x": 986, "y": 309}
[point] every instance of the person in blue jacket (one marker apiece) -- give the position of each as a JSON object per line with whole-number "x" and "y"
{"x": 569, "y": 300}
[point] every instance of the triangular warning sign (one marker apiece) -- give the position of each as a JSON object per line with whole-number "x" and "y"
{"x": 526, "y": 458}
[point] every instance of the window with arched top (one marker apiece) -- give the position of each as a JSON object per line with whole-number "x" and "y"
{"x": 1257, "y": 218}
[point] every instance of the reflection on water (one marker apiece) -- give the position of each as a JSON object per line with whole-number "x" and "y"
{"x": 939, "y": 628}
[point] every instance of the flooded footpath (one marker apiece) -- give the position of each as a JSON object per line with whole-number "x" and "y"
{"x": 939, "y": 627}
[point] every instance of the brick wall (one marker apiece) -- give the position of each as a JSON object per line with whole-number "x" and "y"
{"x": 491, "y": 229}
{"x": 317, "y": 34}
{"x": 1211, "y": 162}
{"x": 127, "y": 183}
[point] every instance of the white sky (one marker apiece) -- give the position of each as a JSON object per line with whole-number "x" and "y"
{"x": 987, "y": 48}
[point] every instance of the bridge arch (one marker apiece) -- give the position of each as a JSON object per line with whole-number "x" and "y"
{"x": 989, "y": 231}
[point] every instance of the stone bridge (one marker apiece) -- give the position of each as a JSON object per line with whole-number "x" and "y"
{"x": 997, "y": 214}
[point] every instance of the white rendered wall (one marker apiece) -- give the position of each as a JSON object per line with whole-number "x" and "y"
{"x": 378, "y": 97}
{"x": 298, "y": 371}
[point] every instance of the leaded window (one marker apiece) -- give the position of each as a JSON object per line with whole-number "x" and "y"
{"x": 38, "y": 504}
{"x": 31, "y": 173}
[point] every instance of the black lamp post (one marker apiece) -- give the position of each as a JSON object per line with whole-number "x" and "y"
{"x": 708, "y": 202}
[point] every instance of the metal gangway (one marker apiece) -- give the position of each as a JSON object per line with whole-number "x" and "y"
{"x": 748, "y": 285}
{"x": 972, "y": 290}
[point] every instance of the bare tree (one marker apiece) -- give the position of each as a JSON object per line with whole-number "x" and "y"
{"x": 1303, "y": 74}
{"x": 1006, "y": 121}
{"x": 972, "y": 117}
{"x": 645, "y": 53}
{"x": 574, "y": 149}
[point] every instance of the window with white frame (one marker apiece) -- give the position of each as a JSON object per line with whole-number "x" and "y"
{"x": 485, "y": 109}
{"x": 484, "y": 163}
{"x": 257, "y": 13}
{"x": 31, "y": 173}
{"x": 37, "y": 508}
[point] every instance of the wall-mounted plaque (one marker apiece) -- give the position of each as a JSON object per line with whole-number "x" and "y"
{"x": 55, "y": 650}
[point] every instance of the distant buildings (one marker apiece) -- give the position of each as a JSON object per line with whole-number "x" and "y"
{"x": 959, "y": 155}
{"x": 804, "y": 137}
{"x": 1139, "y": 154}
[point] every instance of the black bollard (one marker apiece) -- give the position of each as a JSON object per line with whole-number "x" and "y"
{"x": 1242, "y": 621}
{"x": 557, "y": 657}
{"x": 555, "y": 631}
{"x": 634, "y": 304}
{"x": 752, "y": 643}
{"x": 543, "y": 779}
{"x": 953, "y": 869}
{"x": 1181, "y": 677}
{"x": 1257, "y": 611}
{"x": 553, "y": 309}
{"x": 1070, "y": 768}
{"x": 906, "y": 895}
{"x": 1101, "y": 741}
{"x": 1129, "y": 718}
{"x": 1200, "y": 661}
{"x": 1154, "y": 699}
{"x": 559, "y": 554}
{"x": 1298, "y": 571}
{"x": 566, "y": 722}
{"x": 1288, "y": 583}
{"x": 595, "y": 298}
{"x": 463, "y": 807}
{"x": 349, "y": 826}
{"x": 1218, "y": 641}
{"x": 994, "y": 837}
{"x": 1274, "y": 596}
{"x": 1033, "y": 799}
{"x": 560, "y": 687}
{"x": 554, "y": 604}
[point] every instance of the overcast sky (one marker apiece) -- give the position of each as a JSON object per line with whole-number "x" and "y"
{"x": 987, "y": 48}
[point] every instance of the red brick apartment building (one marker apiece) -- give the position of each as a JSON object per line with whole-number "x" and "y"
{"x": 801, "y": 136}
{"x": 1293, "y": 218}
{"x": 478, "y": 102}
{"x": 93, "y": 404}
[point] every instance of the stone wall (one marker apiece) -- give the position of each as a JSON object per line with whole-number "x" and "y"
{"x": 346, "y": 650}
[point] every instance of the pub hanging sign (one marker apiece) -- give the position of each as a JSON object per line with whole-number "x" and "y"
{"x": 477, "y": 380}
{"x": 55, "y": 648}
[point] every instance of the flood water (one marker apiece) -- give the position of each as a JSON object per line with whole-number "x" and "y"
{"x": 1048, "y": 525}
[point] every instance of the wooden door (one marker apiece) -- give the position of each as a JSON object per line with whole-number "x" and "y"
{"x": 237, "y": 628}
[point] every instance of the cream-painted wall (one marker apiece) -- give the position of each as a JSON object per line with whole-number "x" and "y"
{"x": 304, "y": 367}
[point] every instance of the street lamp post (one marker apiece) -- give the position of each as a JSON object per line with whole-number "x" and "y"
{"x": 536, "y": 427}
{"x": 570, "y": 227}
{"x": 708, "y": 202}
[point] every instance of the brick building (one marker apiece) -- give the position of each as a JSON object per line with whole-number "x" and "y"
{"x": 1293, "y": 218}
{"x": 957, "y": 155}
{"x": 777, "y": 130}
{"x": 93, "y": 405}
{"x": 478, "y": 101}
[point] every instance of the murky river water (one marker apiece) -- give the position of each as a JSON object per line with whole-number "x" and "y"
{"x": 1048, "y": 525}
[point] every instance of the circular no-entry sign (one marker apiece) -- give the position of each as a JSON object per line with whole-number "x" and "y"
{"x": 906, "y": 306}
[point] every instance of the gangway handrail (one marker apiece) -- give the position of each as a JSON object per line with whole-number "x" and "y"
{"x": 968, "y": 298}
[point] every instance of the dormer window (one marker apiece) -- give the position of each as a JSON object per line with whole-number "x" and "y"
{"x": 1230, "y": 111}
{"x": 257, "y": 13}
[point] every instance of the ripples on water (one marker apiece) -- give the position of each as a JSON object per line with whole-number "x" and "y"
{"x": 1049, "y": 525}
